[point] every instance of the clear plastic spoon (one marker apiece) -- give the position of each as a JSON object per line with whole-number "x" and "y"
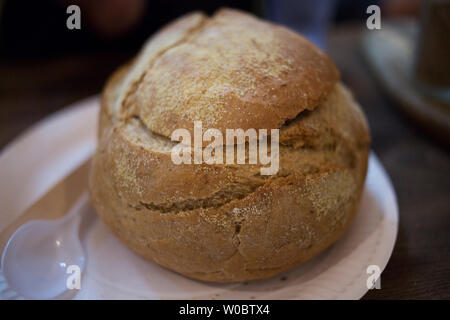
{"x": 37, "y": 258}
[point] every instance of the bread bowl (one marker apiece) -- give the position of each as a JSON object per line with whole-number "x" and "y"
{"x": 227, "y": 222}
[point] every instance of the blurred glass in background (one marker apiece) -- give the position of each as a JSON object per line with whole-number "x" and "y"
{"x": 432, "y": 61}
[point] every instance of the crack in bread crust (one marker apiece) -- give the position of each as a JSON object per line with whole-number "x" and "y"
{"x": 303, "y": 76}
{"x": 244, "y": 184}
{"x": 129, "y": 97}
{"x": 217, "y": 200}
{"x": 227, "y": 223}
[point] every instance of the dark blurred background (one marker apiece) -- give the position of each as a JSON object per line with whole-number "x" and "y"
{"x": 44, "y": 67}
{"x": 36, "y": 29}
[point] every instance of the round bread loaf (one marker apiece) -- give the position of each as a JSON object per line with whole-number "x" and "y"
{"x": 227, "y": 222}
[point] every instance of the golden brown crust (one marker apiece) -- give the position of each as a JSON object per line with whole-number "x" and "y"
{"x": 230, "y": 64}
{"x": 227, "y": 223}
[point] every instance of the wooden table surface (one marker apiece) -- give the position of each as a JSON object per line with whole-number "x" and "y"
{"x": 419, "y": 168}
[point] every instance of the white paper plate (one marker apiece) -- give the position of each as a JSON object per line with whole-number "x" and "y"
{"x": 55, "y": 146}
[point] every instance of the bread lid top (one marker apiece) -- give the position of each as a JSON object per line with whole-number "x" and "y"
{"x": 229, "y": 71}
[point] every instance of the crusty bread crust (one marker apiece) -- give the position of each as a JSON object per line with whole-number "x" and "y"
{"x": 213, "y": 69}
{"x": 228, "y": 223}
